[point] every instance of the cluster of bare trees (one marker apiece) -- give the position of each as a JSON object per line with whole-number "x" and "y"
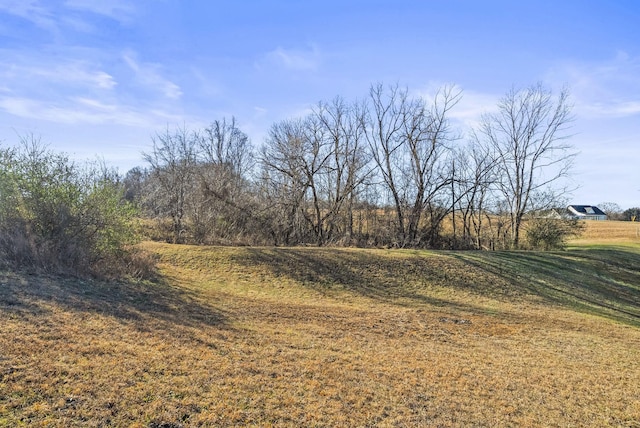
{"x": 197, "y": 184}
{"x": 388, "y": 170}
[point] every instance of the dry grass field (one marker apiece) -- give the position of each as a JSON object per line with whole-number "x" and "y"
{"x": 330, "y": 337}
{"x": 609, "y": 232}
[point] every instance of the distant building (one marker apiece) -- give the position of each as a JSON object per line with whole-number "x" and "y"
{"x": 552, "y": 213}
{"x": 586, "y": 212}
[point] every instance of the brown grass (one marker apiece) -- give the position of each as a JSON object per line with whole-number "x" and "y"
{"x": 327, "y": 337}
{"x": 609, "y": 232}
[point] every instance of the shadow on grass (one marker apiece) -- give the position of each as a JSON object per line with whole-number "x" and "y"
{"x": 135, "y": 302}
{"x": 410, "y": 278}
{"x": 599, "y": 281}
{"x": 602, "y": 281}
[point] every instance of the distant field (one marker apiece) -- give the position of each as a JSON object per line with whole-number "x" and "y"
{"x": 603, "y": 232}
{"x": 331, "y": 337}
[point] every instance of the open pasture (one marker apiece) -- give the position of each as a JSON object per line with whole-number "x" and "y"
{"x": 609, "y": 232}
{"x": 329, "y": 337}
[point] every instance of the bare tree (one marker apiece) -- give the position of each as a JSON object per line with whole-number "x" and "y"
{"x": 172, "y": 160}
{"x": 528, "y": 134}
{"x": 613, "y": 210}
{"x": 225, "y": 158}
{"x": 289, "y": 161}
{"x": 408, "y": 141}
{"x": 224, "y": 143}
{"x": 344, "y": 170}
{"x": 480, "y": 179}
{"x": 384, "y": 136}
{"x": 427, "y": 133}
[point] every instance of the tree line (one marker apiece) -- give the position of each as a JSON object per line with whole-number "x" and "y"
{"x": 390, "y": 169}
{"x": 387, "y": 170}
{"x": 615, "y": 212}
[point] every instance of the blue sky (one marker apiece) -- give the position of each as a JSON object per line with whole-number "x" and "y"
{"x": 99, "y": 78}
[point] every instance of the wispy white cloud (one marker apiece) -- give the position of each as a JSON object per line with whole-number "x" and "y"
{"x": 57, "y": 17}
{"x": 77, "y": 73}
{"x": 608, "y": 88}
{"x": 612, "y": 109}
{"x": 149, "y": 75}
{"x": 471, "y": 105}
{"x": 77, "y": 24}
{"x": 119, "y": 10}
{"x": 294, "y": 59}
{"x": 31, "y": 10}
{"x": 63, "y": 90}
{"x": 74, "y": 111}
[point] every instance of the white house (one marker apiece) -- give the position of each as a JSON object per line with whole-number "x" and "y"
{"x": 586, "y": 212}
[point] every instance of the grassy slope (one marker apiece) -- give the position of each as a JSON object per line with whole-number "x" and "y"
{"x": 330, "y": 337}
